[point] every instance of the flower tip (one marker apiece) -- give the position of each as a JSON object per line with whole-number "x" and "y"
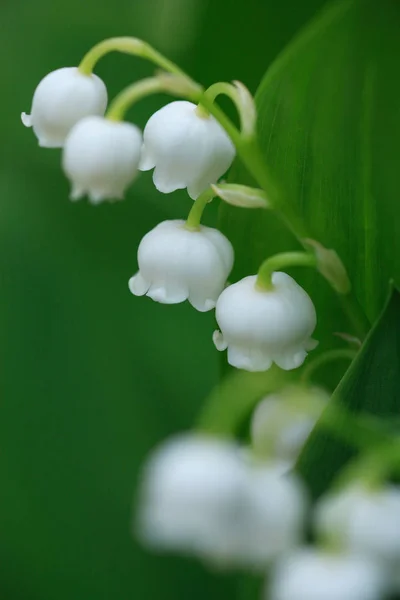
{"x": 219, "y": 341}
{"x": 146, "y": 162}
{"x": 311, "y": 344}
{"x": 76, "y": 194}
{"x": 137, "y": 285}
{"x": 204, "y": 305}
{"x": 26, "y": 119}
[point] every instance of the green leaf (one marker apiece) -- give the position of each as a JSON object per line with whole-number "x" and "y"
{"x": 329, "y": 125}
{"x": 371, "y": 385}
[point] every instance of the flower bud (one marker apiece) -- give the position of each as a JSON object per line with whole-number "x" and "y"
{"x": 314, "y": 575}
{"x": 186, "y": 149}
{"x": 178, "y": 264}
{"x": 282, "y": 422}
{"x": 61, "y": 99}
{"x": 363, "y": 521}
{"x": 259, "y": 327}
{"x": 202, "y": 497}
{"x": 101, "y": 158}
{"x": 191, "y": 486}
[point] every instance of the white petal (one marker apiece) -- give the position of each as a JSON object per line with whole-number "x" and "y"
{"x": 167, "y": 293}
{"x": 288, "y": 361}
{"x": 249, "y": 359}
{"x": 147, "y": 161}
{"x": 219, "y": 341}
{"x": 76, "y": 193}
{"x": 201, "y": 304}
{"x": 26, "y": 119}
{"x": 196, "y": 188}
{"x": 138, "y": 285}
{"x": 165, "y": 182}
{"x": 311, "y": 344}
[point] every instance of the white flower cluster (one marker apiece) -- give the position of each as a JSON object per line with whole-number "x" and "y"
{"x": 205, "y": 497}
{"x": 101, "y": 157}
{"x": 209, "y": 498}
{"x": 189, "y": 149}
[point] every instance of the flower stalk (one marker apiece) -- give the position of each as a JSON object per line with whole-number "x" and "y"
{"x": 196, "y": 212}
{"x": 128, "y": 45}
{"x": 281, "y": 261}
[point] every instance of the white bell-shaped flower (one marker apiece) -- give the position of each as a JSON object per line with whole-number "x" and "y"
{"x": 282, "y": 422}
{"x": 186, "y": 149}
{"x": 272, "y": 518}
{"x": 364, "y": 521}
{"x": 190, "y": 490}
{"x": 315, "y": 575}
{"x": 177, "y": 264}
{"x": 260, "y": 327}
{"x": 101, "y": 157}
{"x": 201, "y": 496}
{"x": 61, "y": 99}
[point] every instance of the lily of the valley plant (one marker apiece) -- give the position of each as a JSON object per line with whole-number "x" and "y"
{"x": 231, "y": 504}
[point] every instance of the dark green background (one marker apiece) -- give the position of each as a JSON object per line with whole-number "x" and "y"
{"x": 91, "y": 377}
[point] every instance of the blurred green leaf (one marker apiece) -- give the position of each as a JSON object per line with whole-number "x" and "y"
{"x": 371, "y": 386}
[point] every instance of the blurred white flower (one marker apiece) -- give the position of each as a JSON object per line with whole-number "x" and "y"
{"x": 272, "y": 517}
{"x": 61, "y": 99}
{"x": 201, "y": 497}
{"x": 177, "y": 264}
{"x": 363, "y": 521}
{"x": 282, "y": 422}
{"x": 190, "y": 497}
{"x": 187, "y": 150}
{"x": 315, "y": 575}
{"x": 101, "y": 157}
{"x": 260, "y": 327}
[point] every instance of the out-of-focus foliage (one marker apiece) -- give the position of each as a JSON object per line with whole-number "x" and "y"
{"x": 329, "y": 124}
{"x": 92, "y": 378}
{"x": 370, "y": 386}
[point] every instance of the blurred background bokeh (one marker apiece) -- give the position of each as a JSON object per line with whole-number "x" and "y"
{"x": 91, "y": 377}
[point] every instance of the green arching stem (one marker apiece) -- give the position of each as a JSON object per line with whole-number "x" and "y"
{"x": 325, "y": 358}
{"x": 247, "y": 147}
{"x": 168, "y": 84}
{"x": 242, "y": 100}
{"x": 196, "y": 212}
{"x": 282, "y": 261}
{"x": 127, "y": 45}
